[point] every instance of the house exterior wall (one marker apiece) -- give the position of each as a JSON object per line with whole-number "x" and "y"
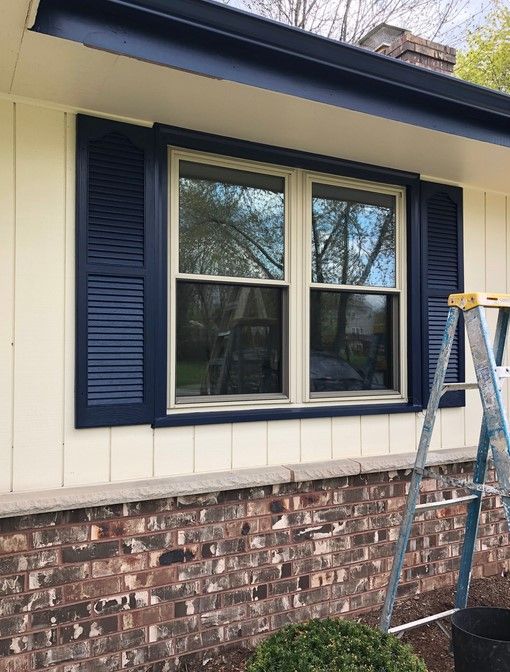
{"x": 39, "y": 446}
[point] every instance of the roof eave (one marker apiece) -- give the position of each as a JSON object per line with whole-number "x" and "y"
{"x": 217, "y": 41}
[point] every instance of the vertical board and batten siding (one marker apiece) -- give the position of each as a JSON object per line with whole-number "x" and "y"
{"x": 7, "y": 247}
{"x": 39, "y": 446}
{"x": 39, "y": 260}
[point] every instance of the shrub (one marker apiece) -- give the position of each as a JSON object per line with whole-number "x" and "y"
{"x": 333, "y": 646}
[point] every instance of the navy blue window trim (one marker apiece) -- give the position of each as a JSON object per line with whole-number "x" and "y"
{"x": 252, "y": 415}
{"x": 442, "y": 274}
{"x": 161, "y": 278}
{"x": 153, "y": 143}
{"x": 178, "y": 137}
{"x": 114, "y": 274}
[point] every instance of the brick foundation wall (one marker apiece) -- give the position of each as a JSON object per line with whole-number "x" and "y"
{"x": 156, "y": 584}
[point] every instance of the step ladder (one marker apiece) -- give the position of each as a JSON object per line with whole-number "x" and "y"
{"x": 494, "y": 435}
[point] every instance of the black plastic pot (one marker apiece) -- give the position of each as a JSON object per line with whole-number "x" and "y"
{"x": 481, "y": 639}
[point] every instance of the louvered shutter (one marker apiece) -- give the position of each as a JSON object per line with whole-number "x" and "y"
{"x": 114, "y": 373}
{"x": 443, "y": 274}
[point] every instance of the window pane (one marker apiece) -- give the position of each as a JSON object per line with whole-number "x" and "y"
{"x": 351, "y": 339}
{"x": 229, "y": 339}
{"x": 353, "y": 236}
{"x": 231, "y": 222}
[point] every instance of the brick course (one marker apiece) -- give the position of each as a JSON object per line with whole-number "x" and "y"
{"x": 153, "y": 585}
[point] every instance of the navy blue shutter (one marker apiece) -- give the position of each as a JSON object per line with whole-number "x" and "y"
{"x": 443, "y": 274}
{"x": 115, "y": 259}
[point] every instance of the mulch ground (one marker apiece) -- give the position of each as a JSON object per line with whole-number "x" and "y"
{"x": 428, "y": 641}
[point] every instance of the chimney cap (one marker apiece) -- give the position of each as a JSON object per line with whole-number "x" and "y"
{"x": 381, "y": 36}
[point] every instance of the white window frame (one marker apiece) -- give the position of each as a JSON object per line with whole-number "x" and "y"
{"x": 297, "y": 281}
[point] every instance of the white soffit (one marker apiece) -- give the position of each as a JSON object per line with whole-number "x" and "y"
{"x": 70, "y": 74}
{"x": 12, "y": 24}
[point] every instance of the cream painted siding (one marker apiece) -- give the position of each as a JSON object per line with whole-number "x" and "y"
{"x": 39, "y": 447}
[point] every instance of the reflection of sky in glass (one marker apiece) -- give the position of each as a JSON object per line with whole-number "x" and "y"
{"x": 353, "y": 237}
{"x": 231, "y": 222}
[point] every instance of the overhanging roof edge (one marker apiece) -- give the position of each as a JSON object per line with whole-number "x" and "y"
{"x": 218, "y": 41}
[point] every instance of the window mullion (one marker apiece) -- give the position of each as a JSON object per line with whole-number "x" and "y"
{"x": 295, "y": 295}
{"x": 306, "y": 280}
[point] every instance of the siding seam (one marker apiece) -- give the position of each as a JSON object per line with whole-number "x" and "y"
{"x": 13, "y": 332}
{"x": 64, "y": 312}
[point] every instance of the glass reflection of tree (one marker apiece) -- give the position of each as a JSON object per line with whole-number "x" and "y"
{"x": 353, "y": 244}
{"x": 233, "y": 230}
{"x": 230, "y": 230}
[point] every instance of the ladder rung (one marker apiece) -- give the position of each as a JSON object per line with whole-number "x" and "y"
{"x": 421, "y": 621}
{"x": 457, "y": 387}
{"x": 445, "y": 502}
{"x": 466, "y": 485}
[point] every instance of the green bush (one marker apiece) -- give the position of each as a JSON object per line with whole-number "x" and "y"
{"x": 333, "y": 646}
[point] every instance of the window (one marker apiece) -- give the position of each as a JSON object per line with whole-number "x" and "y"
{"x": 285, "y": 286}
{"x": 355, "y": 292}
{"x": 229, "y": 300}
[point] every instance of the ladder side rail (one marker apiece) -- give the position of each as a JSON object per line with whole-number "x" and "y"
{"x": 479, "y": 475}
{"x": 421, "y": 458}
{"x": 492, "y": 399}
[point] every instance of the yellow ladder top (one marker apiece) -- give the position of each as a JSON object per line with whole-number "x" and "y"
{"x": 471, "y": 300}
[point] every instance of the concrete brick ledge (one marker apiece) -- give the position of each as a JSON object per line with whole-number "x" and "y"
{"x": 61, "y": 499}
{"x": 312, "y": 471}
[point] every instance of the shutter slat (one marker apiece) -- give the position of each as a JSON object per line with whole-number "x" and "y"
{"x": 114, "y": 373}
{"x": 441, "y": 211}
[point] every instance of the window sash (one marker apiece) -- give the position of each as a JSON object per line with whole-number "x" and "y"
{"x": 181, "y": 400}
{"x": 399, "y": 337}
{"x": 220, "y": 401}
{"x": 394, "y": 352}
{"x": 236, "y": 164}
{"x": 297, "y": 279}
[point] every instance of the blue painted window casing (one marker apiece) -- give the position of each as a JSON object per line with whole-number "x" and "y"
{"x": 122, "y": 273}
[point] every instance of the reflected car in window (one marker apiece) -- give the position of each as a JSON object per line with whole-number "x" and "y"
{"x": 333, "y": 374}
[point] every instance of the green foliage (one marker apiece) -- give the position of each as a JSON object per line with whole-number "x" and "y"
{"x": 333, "y": 646}
{"x": 487, "y": 58}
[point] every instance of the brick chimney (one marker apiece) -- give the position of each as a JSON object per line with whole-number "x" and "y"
{"x": 400, "y": 43}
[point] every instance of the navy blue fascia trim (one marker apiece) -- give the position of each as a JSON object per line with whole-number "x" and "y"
{"x": 220, "y": 42}
{"x": 190, "y": 139}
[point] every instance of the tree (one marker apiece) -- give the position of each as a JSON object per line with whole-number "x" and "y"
{"x": 486, "y": 60}
{"x": 349, "y": 20}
